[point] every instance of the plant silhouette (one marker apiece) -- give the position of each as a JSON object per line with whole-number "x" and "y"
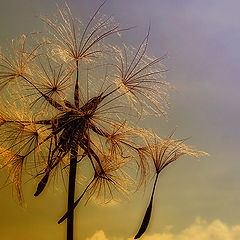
{"x": 69, "y": 96}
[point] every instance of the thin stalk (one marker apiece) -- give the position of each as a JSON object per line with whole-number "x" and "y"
{"x": 76, "y": 203}
{"x": 76, "y": 91}
{"x": 71, "y": 193}
{"x": 155, "y": 183}
{"x": 147, "y": 215}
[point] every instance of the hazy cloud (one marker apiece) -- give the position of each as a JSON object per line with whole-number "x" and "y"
{"x": 99, "y": 235}
{"x": 199, "y": 230}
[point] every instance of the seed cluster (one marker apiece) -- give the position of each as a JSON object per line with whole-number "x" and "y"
{"x": 71, "y": 96}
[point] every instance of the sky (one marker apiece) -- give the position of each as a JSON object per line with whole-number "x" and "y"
{"x": 195, "y": 199}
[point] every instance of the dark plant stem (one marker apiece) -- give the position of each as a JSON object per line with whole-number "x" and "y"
{"x": 147, "y": 215}
{"x": 155, "y": 183}
{"x": 72, "y": 172}
{"x": 76, "y": 202}
{"x": 71, "y": 193}
{"x": 76, "y": 91}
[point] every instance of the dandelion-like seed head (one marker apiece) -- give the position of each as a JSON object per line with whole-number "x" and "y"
{"x": 14, "y": 163}
{"x": 16, "y": 65}
{"x": 75, "y": 97}
{"x": 140, "y": 78}
{"x": 162, "y": 152}
{"x": 73, "y": 41}
{"x": 110, "y": 180}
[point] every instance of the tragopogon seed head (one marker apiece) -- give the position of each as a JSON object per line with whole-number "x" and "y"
{"x": 73, "y": 41}
{"x": 14, "y": 163}
{"x": 140, "y": 78}
{"x": 16, "y": 65}
{"x": 162, "y": 152}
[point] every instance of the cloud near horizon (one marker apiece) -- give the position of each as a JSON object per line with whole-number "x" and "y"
{"x": 199, "y": 230}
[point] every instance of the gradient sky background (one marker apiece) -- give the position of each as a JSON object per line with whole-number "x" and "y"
{"x": 201, "y": 38}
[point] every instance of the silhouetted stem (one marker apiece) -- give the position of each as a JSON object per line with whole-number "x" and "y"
{"x": 147, "y": 215}
{"x": 155, "y": 183}
{"x": 42, "y": 184}
{"x": 71, "y": 193}
{"x": 75, "y": 203}
{"x": 76, "y": 91}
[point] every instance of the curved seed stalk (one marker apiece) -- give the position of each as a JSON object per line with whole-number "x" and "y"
{"x": 42, "y": 184}
{"x": 147, "y": 215}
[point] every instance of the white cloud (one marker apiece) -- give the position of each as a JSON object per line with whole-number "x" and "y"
{"x": 99, "y": 235}
{"x": 199, "y": 230}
